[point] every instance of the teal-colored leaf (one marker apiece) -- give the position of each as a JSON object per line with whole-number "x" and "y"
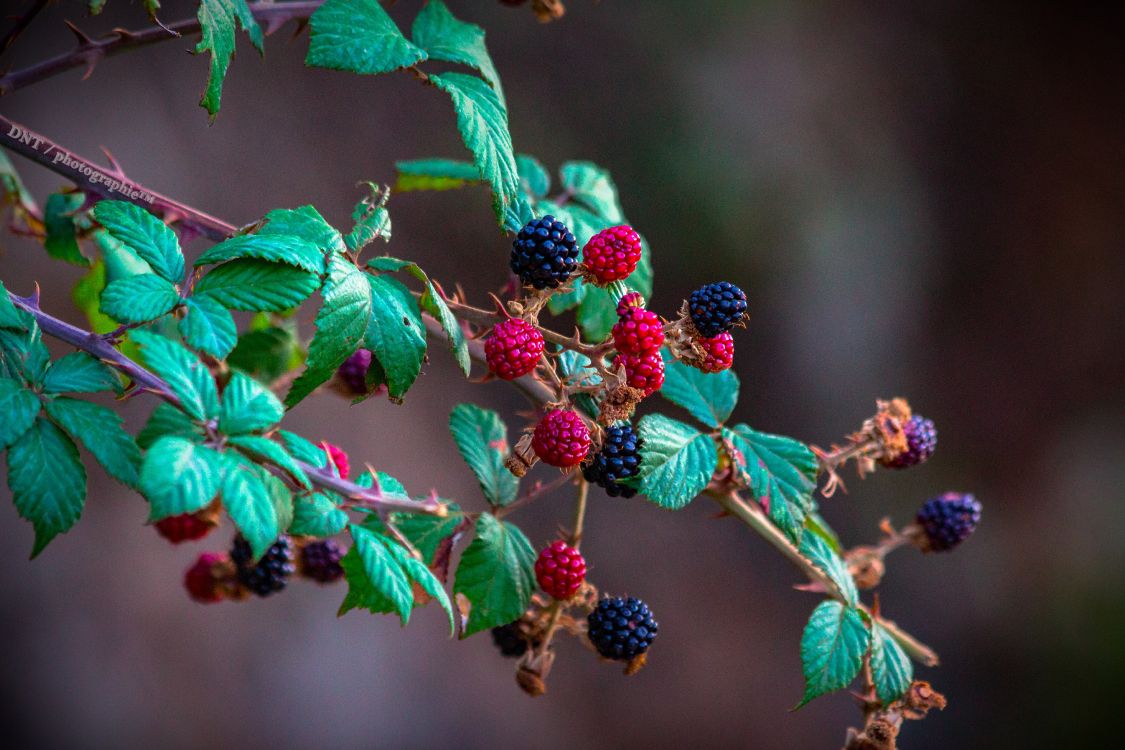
{"x": 144, "y": 234}
{"x": 18, "y": 407}
{"x": 383, "y": 573}
{"x": 306, "y": 223}
{"x": 78, "y": 372}
{"x": 101, "y": 430}
{"x": 258, "y": 285}
{"x": 61, "y": 237}
{"x": 495, "y": 574}
{"x": 317, "y": 515}
{"x": 303, "y": 450}
{"x": 817, "y": 525}
{"x": 168, "y": 420}
{"x": 47, "y": 481}
{"x": 139, "y": 299}
{"x": 435, "y": 174}
{"x": 266, "y": 354}
{"x": 217, "y": 18}
{"x": 179, "y": 476}
{"x": 371, "y": 219}
{"x": 781, "y": 472}
{"x": 121, "y": 262}
{"x": 534, "y": 177}
{"x": 428, "y": 533}
{"x": 248, "y": 406}
{"x": 22, "y": 351}
{"x": 208, "y": 327}
{"x": 187, "y": 377}
{"x": 276, "y": 248}
{"x": 424, "y": 577}
{"x": 578, "y": 369}
{"x": 249, "y": 503}
{"x": 677, "y": 462}
{"x": 447, "y": 38}
{"x": 273, "y": 453}
{"x": 9, "y": 315}
{"x": 597, "y": 313}
{"x": 482, "y": 439}
{"x": 824, "y": 557}
{"x": 710, "y": 397}
{"x": 592, "y": 186}
{"x": 396, "y": 334}
{"x": 358, "y": 36}
{"x": 891, "y": 669}
{"x": 281, "y": 497}
{"x": 832, "y": 648}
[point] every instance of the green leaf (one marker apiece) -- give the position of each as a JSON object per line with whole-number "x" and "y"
{"x": 482, "y": 120}
{"x": 78, "y": 372}
{"x": 273, "y": 453}
{"x": 22, "y": 351}
{"x": 58, "y": 220}
{"x": 9, "y": 315}
{"x": 101, "y": 431}
{"x": 276, "y": 248}
{"x": 781, "y": 472}
{"x": 258, "y": 285}
{"x": 139, "y": 299}
{"x": 303, "y": 450}
{"x": 178, "y": 476}
{"x": 396, "y": 334}
{"x": 266, "y": 354}
{"x": 249, "y": 503}
{"x": 447, "y": 38}
{"x": 18, "y": 407}
{"x": 578, "y": 368}
{"x": 387, "y": 483}
{"x": 87, "y": 294}
{"x": 144, "y": 234}
{"x": 306, "y": 223}
{"x": 592, "y": 186}
{"x": 168, "y": 420}
{"x": 597, "y": 313}
{"x": 217, "y": 19}
{"x": 534, "y": 177}
{"x": 386, "y": 581}
{"x": 188, "y": 378}
{"x": 677, "y": 463}
{"x": 120, "y": 261}
{"x": 372, "y": 220}
{"x": 47, "y": 481}
{"x": 340, "y": 326}
{"x": 435, "y": 174}
{"x": 427, "y": 533}
{"x": 280, "y": 497}
{"x": 317, "y": 515}
{"x": 820, "y": 527}
{"x": 495, "y": 574}
{"x": 208, "y": 327}
{"x": 890, "y": 667}
{"x": 710, "y": 397}
{"x": 424, "y": 577}
{"x": 482, "y": 439}
{"x": 824, "y": 557}
{"x": 358, "y": 36}
{"x": 832, "y": 648}
{"x": 248, "y": 406}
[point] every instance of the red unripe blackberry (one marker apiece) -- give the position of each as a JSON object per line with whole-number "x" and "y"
{"x": 560, "y": 570}
{"x": 629, "y": 301}
{"x": 513, "y": 349}
{"x": 184, "y": 527}
{"x": 645, "y": 373}
{"x": 561, "y": 438}
{"x": 320, "y": 561}
{"x": 612, "y": 254}
{"x": 921, "y": 442}
{"x": 638, "y": 332}
{"x": 338, "y": 459}
{"x": 201, "y": 580}
{"x": 718, "y": 353}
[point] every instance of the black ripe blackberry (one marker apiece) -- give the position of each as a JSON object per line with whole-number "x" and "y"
{"x": 509, "y": 639}
{"x": 619, "y": 458}
{"x": 715, "y": 308}
{"x": 320, "y": 561}
{"x": 544, "y": 253}
{"x": 270, "y": 573}
{"x": 621, "y": 628}
{"x": 948, "y": 520}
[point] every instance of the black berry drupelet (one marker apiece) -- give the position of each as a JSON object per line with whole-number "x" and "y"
{"x": 544, "y": 253}
{"x": 270, "y": 574}
{"x": 509, "y": 640}
{"x": 619, "y": 458}
{"x": 921, "y": 442}
{"x": 621, "y": 628}
{"x": 715, "y": 308}
{"x": 320, "y": 561}
{"x": 949, "y": 519}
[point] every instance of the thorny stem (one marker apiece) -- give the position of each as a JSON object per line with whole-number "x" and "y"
{"x": 536, "y": 492}
{"x": 98, "y": 347}
{"x": 488, "y": 318}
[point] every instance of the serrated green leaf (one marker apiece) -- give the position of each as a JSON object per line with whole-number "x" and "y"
{"x": 273, "y": 453}
{"x": 781, "y": 472}
{"x": 710, "y": 397}
{"x": 61, "y": 239}
{"x": 249, "y": 503}
{"x": 120, "y": 261}
{"x": 280, "y": 497}
{"x": 424, "y": 577}
{"x": 435, "y": 174}
{"x": 396, "y": 334}
{"x": 891, "y": 669}
{"x": 832, "y": 648}
{"x": 47, "y": 481}
{"x": 495, "y": 574}
{"x": 482, "y": 120}
{"x": 386, "y": 578}
{"x": 358, "y": 36}
{"x": 824, "y": 557}
{"x": 534, "y": 177}
{"x": 168, "y": 420}
{"x": 258, "y": 285}
{"x": 22, "y": 351}
{"x": 208, "y": 327}
{"x": 303, "y": 450}
{"x": 9, "y": 315}
{"x": 143, "y": 234}
{"x": 248, "y": 406}
{"x": 188, "y": 378}
{"x": 387, "y": 483}
{"x": 677, "y": 462}
{"x": 78, "y": 372}
{"x": 447, "y": 38}
{"x": 372, "y": 220}
{"x": 178, "y": 476}
{"x": 139, "y": 299}
{"x": 317, "y": 515}
{"x": 101, "y": 431}
{"x": 306, "y": 223}
{"x": 427, "y": 533}
{"x": 340, "y": 325}
{"x": 217, "y": 19}
{"x": 275, "y": 248}
{"x": 592, "y": 186}
{"x": 482, "y": 439}
{"x": 266, "y": 354}
{"x": 18, "y": 406}
{"x": 597, "y": 313}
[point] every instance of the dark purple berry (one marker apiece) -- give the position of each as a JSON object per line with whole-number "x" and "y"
{"x": 921, "y": 441}
{"x": 509, "y": 640}
{"x": 320, "y": 561}
{"x": 621, "y": 628}
{"x": 715, "y": 308}
{"x": 544, "y": 253}
{"x": 949, "y": 519}
{"x": 354, "y": 371}
{"x": 270, "y": 574}
{"x": 619, "y": 458}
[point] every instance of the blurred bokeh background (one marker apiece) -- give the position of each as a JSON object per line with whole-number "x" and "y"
{"x": 921, "y": 198}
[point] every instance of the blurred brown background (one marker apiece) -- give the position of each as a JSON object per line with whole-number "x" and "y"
{"x": 921, "y": 198}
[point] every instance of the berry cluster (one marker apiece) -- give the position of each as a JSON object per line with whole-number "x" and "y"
{"x": 561, "y": 438}
{"x": 621, "y": 628}
{"x": 716, "y": 308}
{"x": 353, "y": 373}
{"x": 921, "y": 442}
{"x": 618, "y": 459}
{"x": 948, "y": 519}
{"x": 544, "y": 254}
{"x": 560, "y": 570}
{"x": 271, "y": 573}
{"x": 320, "y": 561}
{"x": 186, "y": 527}
{"x": 513, "y": 349}
{"x": 612, "y": 254}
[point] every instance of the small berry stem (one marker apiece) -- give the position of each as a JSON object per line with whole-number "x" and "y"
{"x": 536, "y": 492}
{"x": 580, "y": 514}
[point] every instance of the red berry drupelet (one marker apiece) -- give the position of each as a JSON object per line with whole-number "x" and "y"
{"x": 638, "y": 332}
{"x": 921, "y": 442}
{"x": 560, "y": 570}
{"x": 621, "y": 628}
{"x": 544, "y": 253}
{"x": 645, "y": 373}
{"x": 513, "y": 349}
{"x": 948, "y": 520}
{"x": 201, "y": 581}
{"x": 338, "y": 459}
{"x": 715, "y": 308}
{"x": 612, "y": 254}
{"x": 561, "y": 439}
{"x": 619, "y": 458}
{"x": 718, "y": 353}
{"x": 270, "y": 574}
{"x": 320, "y": 561}
{"x": 354, "y": 372}
{"x": 183, "y": 528}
